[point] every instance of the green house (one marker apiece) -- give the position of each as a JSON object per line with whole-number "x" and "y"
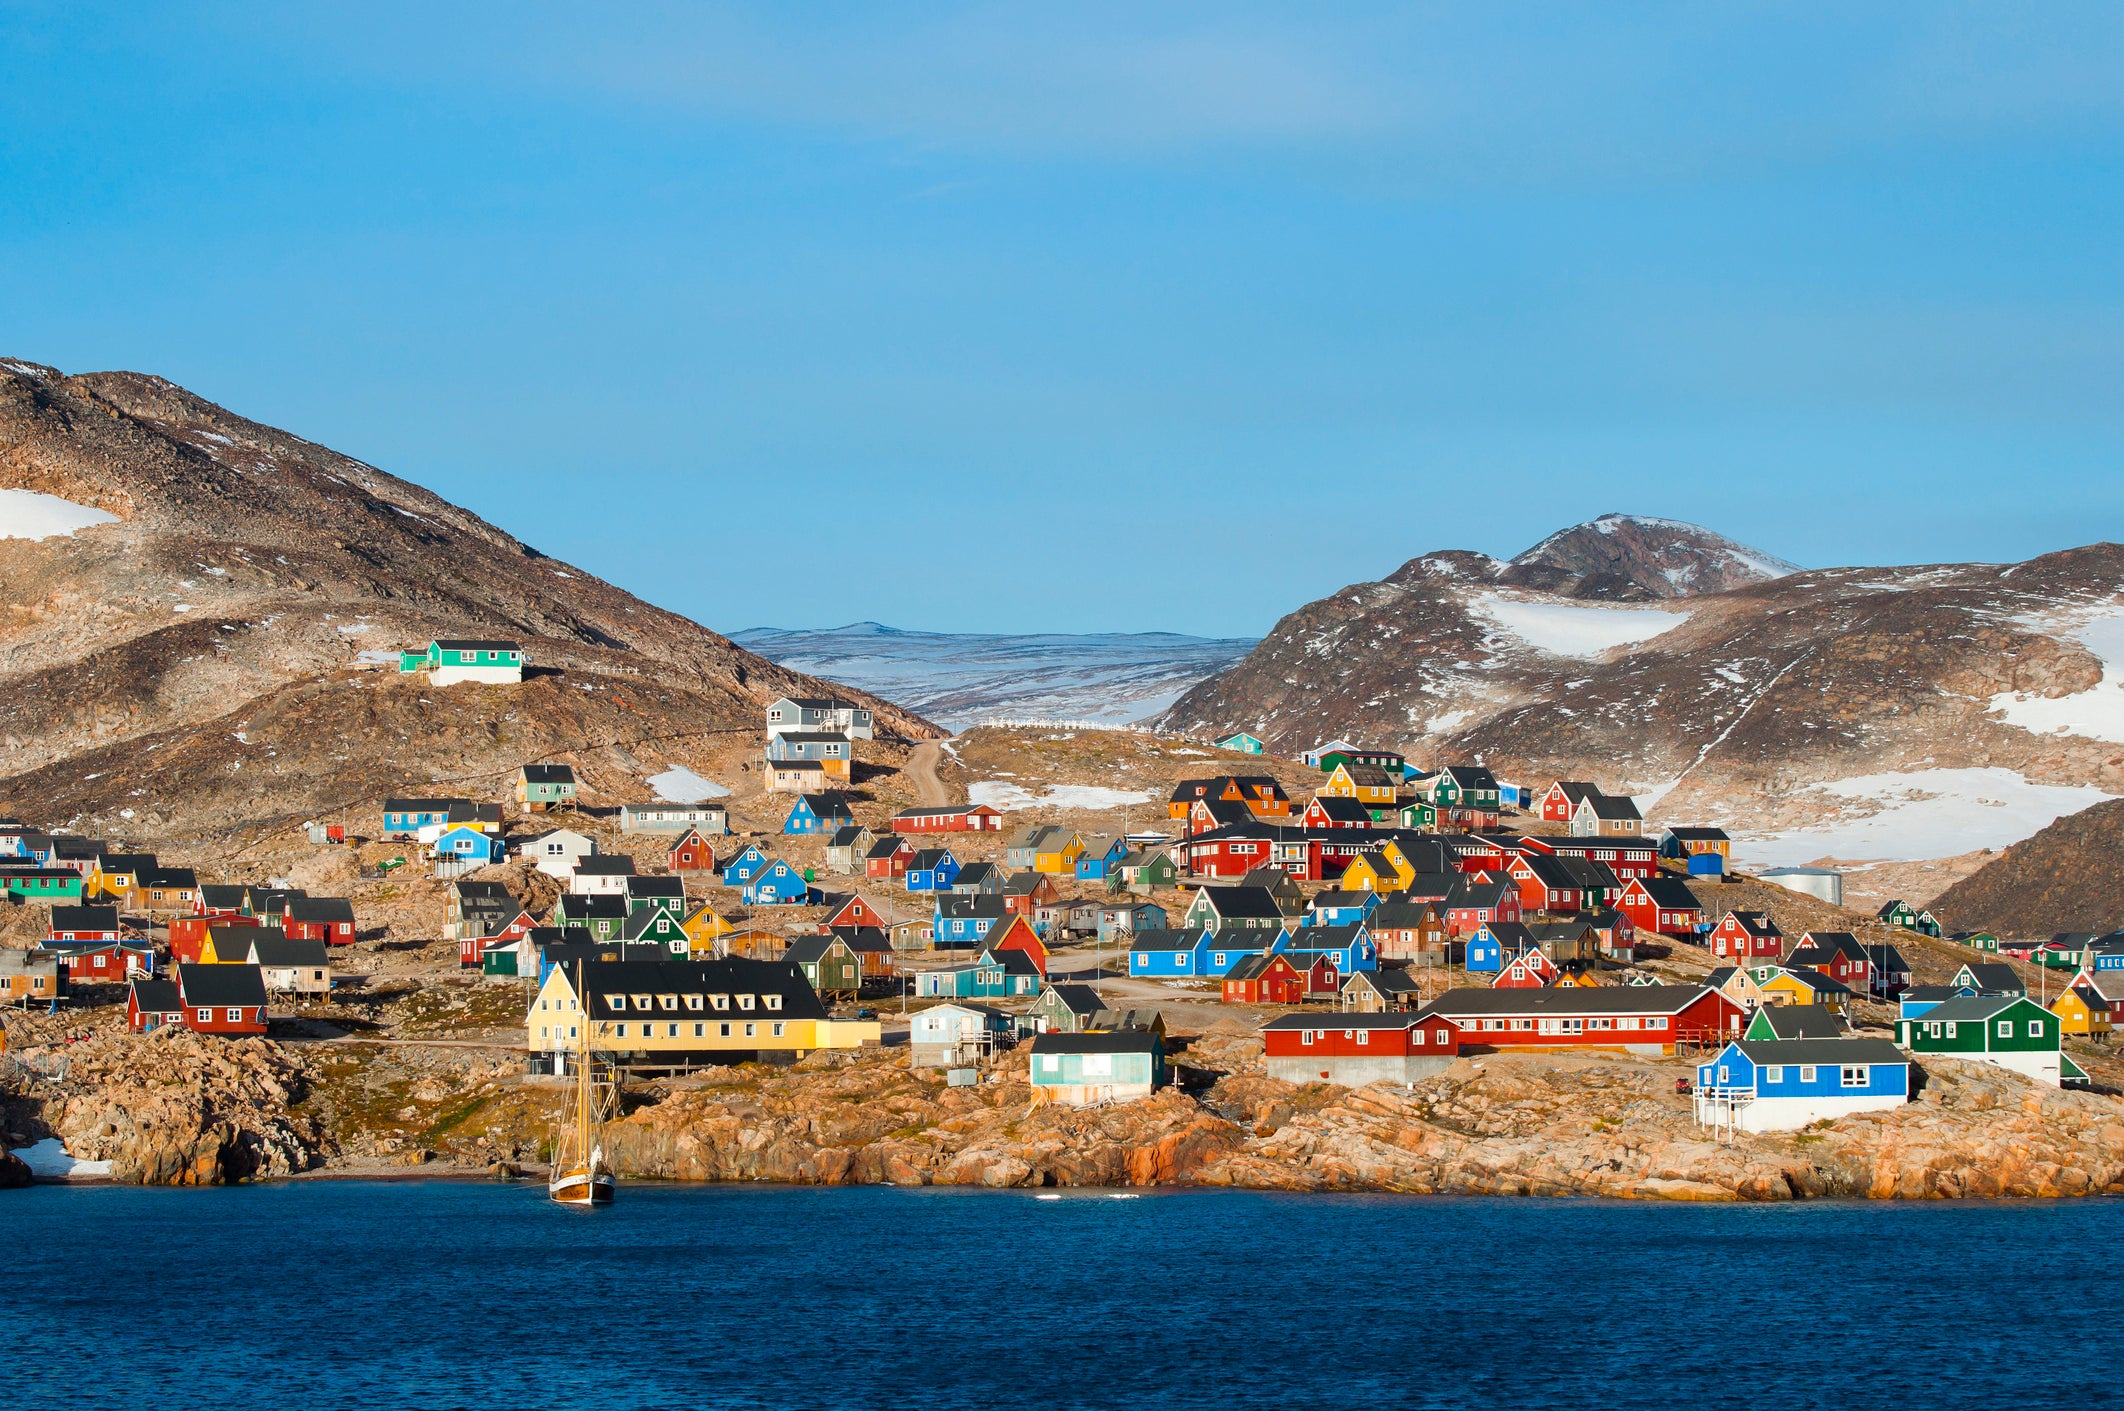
{"x": 657, "y": 927}
{"x": 1979, "y": 940}
{"x": 1150, "y": 871}
{"x": 1242, "y": 742}
{"x": 46, "y": 884}
{"x": 543, "y": 786}
{"x": 656, "y": 894}
{"x": 602, "y": 916}
{"x": 2010, "y": 1031}
{"x": 448, "y": 660}
{"x": 828, "y": 964}
{"x": 1420, "y": 815}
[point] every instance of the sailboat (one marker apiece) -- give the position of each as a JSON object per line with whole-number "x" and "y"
{"x": 580, "y": 1176}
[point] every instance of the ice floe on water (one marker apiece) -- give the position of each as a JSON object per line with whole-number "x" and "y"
{"x": 48, "y": 1161}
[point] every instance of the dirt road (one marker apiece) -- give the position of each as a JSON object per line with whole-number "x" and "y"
{"x": 921, "y": 771}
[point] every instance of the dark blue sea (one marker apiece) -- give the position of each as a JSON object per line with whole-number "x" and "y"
{"x": 439, "y": 1294}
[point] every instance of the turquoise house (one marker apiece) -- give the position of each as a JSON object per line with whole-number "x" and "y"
{"x": 1116, "y": 1066}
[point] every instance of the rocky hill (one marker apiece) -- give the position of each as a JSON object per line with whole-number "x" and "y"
{"x": 1736, "y": 704}
{"x": 2069, "y": 877}
{"x": 213, "y": 654}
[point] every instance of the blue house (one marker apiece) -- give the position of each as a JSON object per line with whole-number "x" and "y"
{"x": 1010, "y": 974}
{"x": 1126, "y": 918}
{"x": 1227, "y": 948}
{"x": 741, "y": 867}
{"x": 932, "y": 870}
{"x": 962, "y": 921}
{"x": 1101, "y": 856}
{"x": 1160, "y": 953}
{"x": 817, "y": 813}
{"x": 1781, "y": 1085}
{"x": 469, "y": 844}
{"x": 1350, "y": 947}
{"x": 404, "y": 818}
{"x": 776, "y": 884}
{"x": 1341, "y": 908}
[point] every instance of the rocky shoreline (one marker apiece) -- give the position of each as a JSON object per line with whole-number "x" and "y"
{"x": 181, "y": 1110}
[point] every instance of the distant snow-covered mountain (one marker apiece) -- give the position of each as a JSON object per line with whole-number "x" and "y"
{"x": 962, "y": 678}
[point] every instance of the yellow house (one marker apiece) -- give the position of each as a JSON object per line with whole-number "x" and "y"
{"x": 676, "y": 1014}
{"x": 704, "y": 926}
{"x": 1805, "y": 987}
{"x": 116, "y": 875}
{"x": 230, "y": 945}
{"x": 2082, "y": 1010}
{"x": 1579, "y": 973}
{"x": 1058, "y": 853}
{"x": 1372, "y": 871}
{"x": 1369, "y": 784}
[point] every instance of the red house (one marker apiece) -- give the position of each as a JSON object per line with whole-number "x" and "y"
{"x": 1544, "y": 882}
{"x": 888, "y": 858}
{"x": 1027, "y": 892}
{"x": 1018, "y": 934}
{"x": 222, "y": 999}
{"x": 1836, "y": 954}
{"x": 1208, "y": 815}
{"x": 852, "y": 912}
{"x": 189, "y": 933}
{"x": 1640, "y": 1018}
{"x": 1625, "y": 857}
{"x": 691, "y": 853}
{"x": 1661, "y": 904}
{"x": 1470, "y": 854}
{"x": 1264, "y": 979}
{"x": 1528, "y": 970}
{"x": 472, "y": 949}
{"x": 1476, "y": 901}
{"x": 952, "y": 818}
{"x": 1336, "y": 812}
{"x": 105, "y": 963}
{"x": 83, "y": 923}
{"x": 1354, "y": 1049}
{"x": 1561, "y": 801}
{"x": 1742, "y": 936}
{"x": 152, "y": 1005}
{"x": 327, "y": 919}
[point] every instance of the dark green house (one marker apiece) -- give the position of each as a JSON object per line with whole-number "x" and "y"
{"x": 2011, "y": 1031}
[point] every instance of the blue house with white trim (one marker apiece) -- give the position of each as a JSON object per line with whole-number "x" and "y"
{"x": 964, "y": 921}
{"x": 1005, "y": 975}
{"x": 1350, "y": 947}
{"x": 776, "y": 884}
{"x": 1156, "y": 954}
{"x": 1781, "y": 1085}
{"x": 817, "y": 813}
{"x": 464, "y": 843}
{"x": 1342, "y": 908}
{"x": 1096, "y": 865}
{"x": 741, "y": 867}
{"x": 932, "y": 870}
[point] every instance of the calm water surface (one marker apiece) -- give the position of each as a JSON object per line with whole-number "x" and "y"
{"x": 420, "y": 1294}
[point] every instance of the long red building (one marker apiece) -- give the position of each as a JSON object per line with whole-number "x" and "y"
{"x": 951, "y": 818}
{"x": 1640, "y": 1018}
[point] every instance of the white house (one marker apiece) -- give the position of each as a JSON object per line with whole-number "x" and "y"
{"x": 711, "y": 819}
{"x": 953, "y": 1033}
{"x": 557, "y": 852}
{"x": 605, "y": 876}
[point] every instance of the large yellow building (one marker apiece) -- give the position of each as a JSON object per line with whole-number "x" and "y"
{"x": 685, "y": 1013}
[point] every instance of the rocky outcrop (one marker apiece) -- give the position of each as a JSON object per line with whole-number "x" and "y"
{"x": 14, "y": 1172}
{"x": 2069, "y": 877}
{"x": 182, "y": 1110}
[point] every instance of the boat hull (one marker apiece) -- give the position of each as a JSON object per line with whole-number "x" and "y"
{"x": 582, "y": 1188}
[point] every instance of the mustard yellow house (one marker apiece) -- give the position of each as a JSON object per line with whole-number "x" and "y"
{"x": 678, "y": 1014}
{"x": 1369, "y": 784}
{"x": 1058, "y": 853}
{"x": 1805, "y": 987}
{"x": 2082, "y": 1010}
{"x": 116, "y": 875}
{"x": 704, "y": 927}
{"x": 1372, "y": 871}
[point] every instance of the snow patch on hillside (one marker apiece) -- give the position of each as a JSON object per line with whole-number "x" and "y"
{"x": 26, "y": 514}
{"x": 1574, "y": 629}
{"x": 678, "y": 784}
{"x": 1924, "y": 813}
{"x": 2096, "y": 713}
{"x": 997, "y": 794}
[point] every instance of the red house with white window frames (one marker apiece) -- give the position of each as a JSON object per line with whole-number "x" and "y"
{"x": 106, "y": 964}
{"x": 1264, "y": 979}
{"x": 1331, "y": 1036}
{"x": 1742, "y": 936}
{"x": 1661, "y": 904}
{"x": 888, "y": 858}
{"x": 1480, "y": 900}
{"x": 691, "y": 853}
{"x": 1543, "y": 884}
{"x": 1626, "y": 857}
{"x": 327, "y": 919}
{"x": 1528, "y": 970}
{"x": 1561, "y": 801}
{"x": 1645, "y": 1018}
{"x": 948, "y": 818}
{"x": 472, "y": 950}
{"x": 854, "y": 911}
{"x": 1335, "y": 812}
{"x": 222, "y": 999}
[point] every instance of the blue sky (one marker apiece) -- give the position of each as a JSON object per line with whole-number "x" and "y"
{"x": 1106, "y": 317}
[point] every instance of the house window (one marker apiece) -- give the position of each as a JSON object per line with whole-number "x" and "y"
{"x": 778, "y": 1030}
{"x": 1657, "y": 1021}
{"x": 2005, "y": 1028}
{"x": 721, "y": 1002}
{"x": 620, "y": 1031}
{"x": 2035, "y": 1028}
{"x": 1856, "y": 1076}
{"x": 1806, "y": 1072}
{"x": 752, "y": 1031}
{"x": 700, "y": 1031}
{"x": 1950, "y": 1029}
{"x": 1774, "y": 1073}
{"x": 1364, "y": 1036}
{"x": 206, "y": 1016}
{"x": 1305, "y": 1036}
{"x": 724, "y": 1031}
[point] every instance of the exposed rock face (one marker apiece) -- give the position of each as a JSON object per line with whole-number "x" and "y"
{"x": 191, "y": 667}
{"x": 1750, "y": 696}
{"x": 14, "y": 1172}
{"x": 2069, "y": 877}
{"x": 179, "y": 1109}
{"x": 1629, "y": 558}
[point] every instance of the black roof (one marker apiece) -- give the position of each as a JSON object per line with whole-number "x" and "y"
{"x": 1823, "y": 945}
{"x": 215, "y": 985}
{"x": 320, "y": 909}
{"x": 1402, "y": 1019}
{"x": 469, "y": 890}
{"x": 1401, "y": 915}
{"x": 640, "y": 885}
{"x": 1153, "y": 938}
{"x": 1617, "y": 806}
{"x": 608, "y": 864}
{"x": 548, "y": 774}
{"x": 982, "y": 906}
{"x": 1338, "y": 806}
{"x": 273, "y": 948}
{"x": 421, "y": 805}
{"x": 84, "y": 918}
{"x": 156, "y": 996}
{"x": 1078, "y": 999}
{"x": 603, "y": 907}
{"x": 1988, "y": 974}
{"x": 864, "y": 938}
{"x": 845, "y": 836}
{"x": 1249, "y": 903}
{"x": 1802, "y": 1021}
{"x": 1670, "y": 893}
{"x": 1755, "y": 923}
{"x": 170, "y": 877}
{"x": 733, "y": 975}
{"x": 827, "y": 803}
